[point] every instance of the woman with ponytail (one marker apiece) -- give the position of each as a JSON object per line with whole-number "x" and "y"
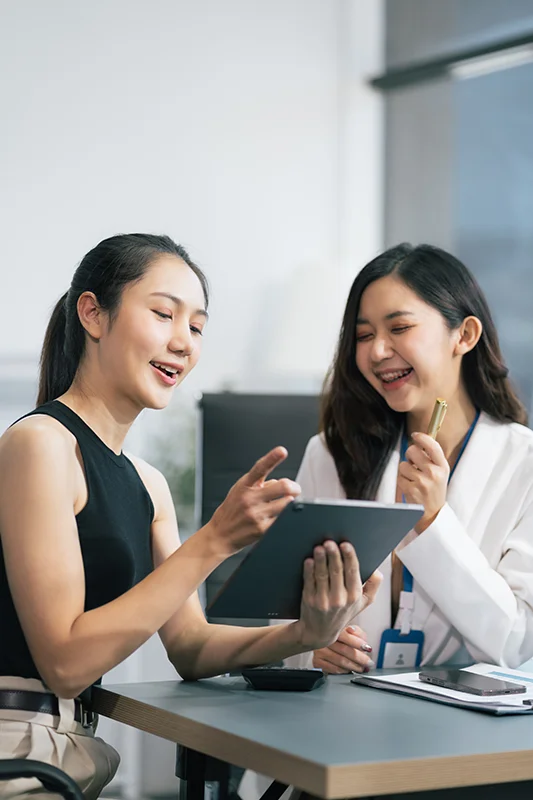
{"x": 460, "y": 587}
{"x": 90, "y": 561}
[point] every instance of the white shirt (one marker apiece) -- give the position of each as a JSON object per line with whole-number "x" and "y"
{"x": 473, "y": 567}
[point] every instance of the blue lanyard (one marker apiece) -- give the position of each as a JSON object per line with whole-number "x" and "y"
{"x": 407, "y": 577}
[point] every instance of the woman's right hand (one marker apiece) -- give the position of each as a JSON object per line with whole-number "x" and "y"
{"x": 251, "y": 506}
{"x": 333, "y": 594}
{"x": 350, "y": 653}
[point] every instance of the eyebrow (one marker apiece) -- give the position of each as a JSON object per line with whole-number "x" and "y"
{"x": 361, "y": 321}
{"x": 179, "y": 302}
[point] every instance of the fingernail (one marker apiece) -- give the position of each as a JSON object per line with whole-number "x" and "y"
{"x": 366, "y": 648}
{"x": 369, "y": 666}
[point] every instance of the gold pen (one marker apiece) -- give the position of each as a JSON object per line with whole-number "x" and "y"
{"x": 437, "y": 418}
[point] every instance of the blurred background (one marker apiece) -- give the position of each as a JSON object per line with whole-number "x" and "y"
{"x": 283, "y": 143}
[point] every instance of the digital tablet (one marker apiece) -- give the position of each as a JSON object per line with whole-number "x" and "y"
{"x": 268, "y": 583}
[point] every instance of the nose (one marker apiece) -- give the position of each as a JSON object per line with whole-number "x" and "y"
{"x": 381, "y": 348}
{"x": 181, "y": 341}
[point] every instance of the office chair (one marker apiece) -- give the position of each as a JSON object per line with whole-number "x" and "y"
{"x": 52, "y": 778}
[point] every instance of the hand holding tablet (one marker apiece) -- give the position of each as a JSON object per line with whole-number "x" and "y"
{"x": 269, "y": 582}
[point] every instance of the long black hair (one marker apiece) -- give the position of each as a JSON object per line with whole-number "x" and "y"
{"x": 360, "y": 428}
{"x": 106, "y": 270}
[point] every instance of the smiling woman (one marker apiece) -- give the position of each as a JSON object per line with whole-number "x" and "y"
{"x": 460, "y": 586}
{"x": 90, "y": 560}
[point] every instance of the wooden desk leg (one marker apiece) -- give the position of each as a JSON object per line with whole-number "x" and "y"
{"x": 201, "y": 777}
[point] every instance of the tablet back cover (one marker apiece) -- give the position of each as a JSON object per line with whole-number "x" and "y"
{"x": 268, "y": 584}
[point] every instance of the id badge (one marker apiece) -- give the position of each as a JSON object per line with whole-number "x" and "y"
{"x": 400, "y": 650}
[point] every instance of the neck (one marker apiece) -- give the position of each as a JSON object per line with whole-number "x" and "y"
{"x": 110, "y": 419}
{"x": 459, "y": 417}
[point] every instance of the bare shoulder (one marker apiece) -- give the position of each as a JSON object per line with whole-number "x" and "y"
{"x": 156, "y": 485}
{"x": 38, "y": 466}
{"x": 37, "y": 439}
{"x": 149, "y": 474}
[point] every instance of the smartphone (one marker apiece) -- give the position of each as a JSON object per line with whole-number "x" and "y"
{"x": 437, "y": 418}
{"x": 462, "y": 681}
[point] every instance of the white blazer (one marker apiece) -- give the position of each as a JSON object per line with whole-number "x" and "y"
{"x": 473, "y": 567}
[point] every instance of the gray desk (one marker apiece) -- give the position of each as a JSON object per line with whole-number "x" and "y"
{"x": 337, "y": 741}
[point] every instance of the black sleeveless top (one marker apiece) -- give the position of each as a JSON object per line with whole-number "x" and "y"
{"x": 114, "y": 533}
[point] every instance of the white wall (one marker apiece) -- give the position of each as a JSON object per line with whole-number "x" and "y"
{"x": 242, "y": 128}
{"x": 238, "y": 127}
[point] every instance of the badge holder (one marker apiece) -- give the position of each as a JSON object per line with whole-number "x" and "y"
{"x": 400, "y": 650}
{"x": 401, "y": 647}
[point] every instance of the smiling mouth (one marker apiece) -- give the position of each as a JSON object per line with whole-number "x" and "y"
{"x": 170, "y": 372}
{"x": 392, "y": 377}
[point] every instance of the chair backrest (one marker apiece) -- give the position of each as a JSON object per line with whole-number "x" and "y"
{"x": 236, "y": 430}
{"x": 52, "y": 778}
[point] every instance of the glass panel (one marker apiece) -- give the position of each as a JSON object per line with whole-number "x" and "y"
{"x": 460, "y": 175}
{"x": 493, "y": 204}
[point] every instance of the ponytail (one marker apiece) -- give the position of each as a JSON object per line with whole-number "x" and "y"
{"x": 61, "y": 352}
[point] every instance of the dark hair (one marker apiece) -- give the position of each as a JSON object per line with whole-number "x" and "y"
{"x": 360, "y": 428}
{"x": 106, "y": 270}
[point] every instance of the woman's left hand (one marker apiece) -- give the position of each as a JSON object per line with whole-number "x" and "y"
{"x": 333, "y": 595}
{"x": 423, "y": 477}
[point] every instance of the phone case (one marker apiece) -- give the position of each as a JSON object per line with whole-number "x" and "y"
{"x": 284, "y": 679}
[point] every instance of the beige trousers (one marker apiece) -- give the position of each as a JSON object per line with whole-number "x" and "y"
{"x": 59, "y": 741}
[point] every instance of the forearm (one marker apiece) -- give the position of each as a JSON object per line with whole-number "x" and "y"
{"x": 216, "y": 649}
{"x": 332, "y": 595}
{"x": 103, "y": 637}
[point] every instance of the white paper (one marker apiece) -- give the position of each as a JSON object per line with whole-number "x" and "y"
{"x": 411, "y": 680}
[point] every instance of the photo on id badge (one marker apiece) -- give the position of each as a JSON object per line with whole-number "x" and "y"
{"x": 399, "y": 650}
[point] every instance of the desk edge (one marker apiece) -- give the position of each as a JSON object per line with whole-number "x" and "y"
{"x": 330, "y": 782}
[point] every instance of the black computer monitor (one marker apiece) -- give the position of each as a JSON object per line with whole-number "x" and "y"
{"x": 236, "y": 430}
